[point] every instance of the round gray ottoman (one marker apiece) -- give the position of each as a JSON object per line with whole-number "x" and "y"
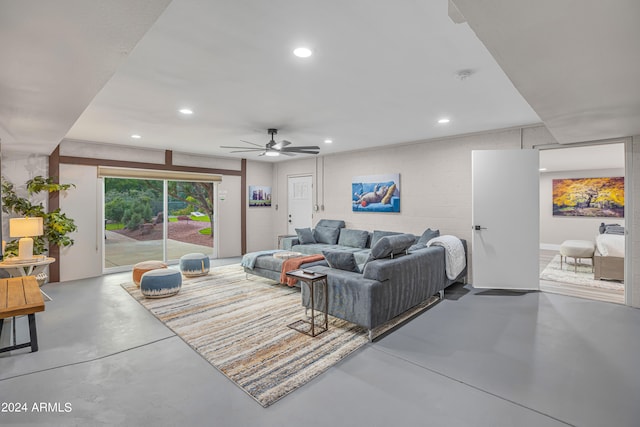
{"x": 577, "y": 249}
{"x": 195, "y": 264}
{"x": 160, "y": 283}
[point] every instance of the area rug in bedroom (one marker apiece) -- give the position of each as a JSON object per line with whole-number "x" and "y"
{"x": 239, "y": 325}
{"x": 584, "y": 276}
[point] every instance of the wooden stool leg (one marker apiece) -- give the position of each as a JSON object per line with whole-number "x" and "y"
{"x": 33, "y": 334}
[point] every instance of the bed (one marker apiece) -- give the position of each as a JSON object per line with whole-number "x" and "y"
{"x": 609, "y": 257}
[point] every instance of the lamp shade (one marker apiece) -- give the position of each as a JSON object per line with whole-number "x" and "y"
{"x": 25, "y": 227}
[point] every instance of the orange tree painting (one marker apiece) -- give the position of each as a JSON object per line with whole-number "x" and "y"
{"x": 595, "y": 197}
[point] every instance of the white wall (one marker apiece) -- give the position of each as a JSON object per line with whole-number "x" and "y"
{"x": 229, "y": 226}
{"x": 556, "y": 229}
{"x": 18, "y": 168}
{"x": 632, "y": 201}
{"x": 229, "y": 221}
{"x": 435, "y": 183}
{"x": 259, "y": 219}
{"x": 83, "y": 204}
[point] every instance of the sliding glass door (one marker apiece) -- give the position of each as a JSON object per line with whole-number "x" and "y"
{"x": 137, "y": 229}
{"x": 191, "y": 222}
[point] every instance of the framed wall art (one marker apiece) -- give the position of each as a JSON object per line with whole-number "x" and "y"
{"x": 259, "y": 196}
{"x": 376, "y": 193}
{"x": 591, "y": 197}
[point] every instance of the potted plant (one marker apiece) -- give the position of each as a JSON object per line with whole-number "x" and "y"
{"x": 56, "y": 225}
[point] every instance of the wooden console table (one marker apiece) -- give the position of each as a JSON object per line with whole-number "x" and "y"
{"x": 20, "y": 296}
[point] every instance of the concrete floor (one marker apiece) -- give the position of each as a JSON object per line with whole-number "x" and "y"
{"x": 127, "y": 252}
{"x": 478, "y": 358}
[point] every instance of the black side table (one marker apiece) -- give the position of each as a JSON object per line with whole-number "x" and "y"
{"x": 309, "y": 327}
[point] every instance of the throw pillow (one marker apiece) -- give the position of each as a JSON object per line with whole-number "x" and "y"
{"x": 328, "y": 235}
{"x": 305, "y": 236}
{"x": 392, "y": 245}
{"x": 427, "y": 235}
{"x": 341, "y": 260}
{"x": 387, "y": 197}
{"x": 353, "y": 238}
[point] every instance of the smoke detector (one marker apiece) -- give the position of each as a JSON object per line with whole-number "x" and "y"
{"x": 464, "y": 74}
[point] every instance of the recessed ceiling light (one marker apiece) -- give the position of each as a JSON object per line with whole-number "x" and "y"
{"x": 136, "y": 136}
{"x": 271, "y": 153}
{"x": 186, "y": 111}
{"x": 443, "y": 121}
{"x": 328, "y": 141}
{"x": 302, "y": 52}
{"x": 542, "y": 169}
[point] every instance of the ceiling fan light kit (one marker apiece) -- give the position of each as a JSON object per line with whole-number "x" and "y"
{"x": 273, "y": 148}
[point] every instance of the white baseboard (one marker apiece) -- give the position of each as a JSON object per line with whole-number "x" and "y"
{"x": 549, "y": 246}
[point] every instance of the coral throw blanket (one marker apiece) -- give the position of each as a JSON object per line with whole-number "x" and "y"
{"x": 294, "y": 264}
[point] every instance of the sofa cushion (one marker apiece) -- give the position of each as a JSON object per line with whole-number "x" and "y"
{"x": 341, "y": 260}
{"x": 377, "y": 234}
{"x": 392, "y": 245}
{"x": 328, "y": 235}
{"x": 353, "y": 238}
{"x": 333, "y": 223}
{"x": 305, "y": 236}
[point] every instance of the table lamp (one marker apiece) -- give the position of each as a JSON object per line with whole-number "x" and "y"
{"x": 25, "y": 228}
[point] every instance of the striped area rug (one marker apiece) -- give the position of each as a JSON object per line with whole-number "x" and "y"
{"x": 239, "y": 325}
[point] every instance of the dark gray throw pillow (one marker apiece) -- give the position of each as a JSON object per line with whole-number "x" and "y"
{"x": 392, "y": 245}
{"x": 353, "y": 238}
{"x": 427, "y": 235}
{"x": 328, "y": 235}
{"x": 341, "y": 260}
{"x": 305, "y": 236}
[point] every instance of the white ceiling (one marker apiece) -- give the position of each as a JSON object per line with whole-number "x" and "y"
{"x": 382, "y": 73}
{"x": 575, "y": 61}
{"x": 56, "y": 55}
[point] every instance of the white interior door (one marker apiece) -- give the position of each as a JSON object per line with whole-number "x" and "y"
{"x": 300, "y": 203}
{"x": 505, "y": 214}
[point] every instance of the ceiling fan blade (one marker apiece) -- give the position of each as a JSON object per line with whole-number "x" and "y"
{"x": 284, "y": 143}
{"x": 252, "y": 143}
{"x": 241, "y": 148}
{"x": 303, "y": 152}
{"x": 245, "y": 151}
{"x": 303, "y": 147}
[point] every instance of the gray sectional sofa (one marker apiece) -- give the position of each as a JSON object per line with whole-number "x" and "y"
{"x": 394, "y": 271}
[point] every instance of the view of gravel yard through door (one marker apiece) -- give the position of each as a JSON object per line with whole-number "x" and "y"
{"x": 134, "y": 220}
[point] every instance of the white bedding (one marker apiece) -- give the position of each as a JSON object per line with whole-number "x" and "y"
{"x": 610, "y": 245}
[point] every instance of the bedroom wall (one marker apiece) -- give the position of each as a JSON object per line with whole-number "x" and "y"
{"x": 556, "y": 229}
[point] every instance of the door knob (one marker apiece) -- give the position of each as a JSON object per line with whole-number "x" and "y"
{"x": 478, "y": 228}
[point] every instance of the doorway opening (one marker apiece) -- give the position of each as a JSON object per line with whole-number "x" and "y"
{"x": 582, "y": 188}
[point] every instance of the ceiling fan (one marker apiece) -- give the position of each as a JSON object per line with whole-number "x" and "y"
{"x": 273, "y": 148}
